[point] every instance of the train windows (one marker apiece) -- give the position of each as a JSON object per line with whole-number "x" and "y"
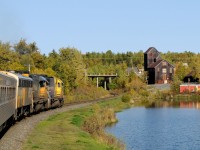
{"x": 4, "y": 93}
{"x": 0, "y": 96}
{"x": 59, "y": 84}
{"x": 20, "y": 82}
{"x": 25, "y": 83}
{"x": 30, "y": 84}
{"x": 42, "y": 83}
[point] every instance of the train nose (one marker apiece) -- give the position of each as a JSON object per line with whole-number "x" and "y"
{"x": 43, "y": 92}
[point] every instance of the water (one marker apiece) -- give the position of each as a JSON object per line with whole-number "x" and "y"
{"x": 168, "y": 128}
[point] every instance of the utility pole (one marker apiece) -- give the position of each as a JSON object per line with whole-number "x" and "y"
{"x": 29, "y": 67}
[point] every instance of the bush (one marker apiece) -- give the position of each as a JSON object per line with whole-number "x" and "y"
{"x": 112, "y": 86}
{"x": 96, "y": 123}
{"x": 126, "y": 98}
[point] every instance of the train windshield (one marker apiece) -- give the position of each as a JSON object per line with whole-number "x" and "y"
{"x": 42, "y": 83}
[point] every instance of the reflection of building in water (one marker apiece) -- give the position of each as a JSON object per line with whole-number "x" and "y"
{"x": 190, "y": 105}
{"x": 189, "y": 88}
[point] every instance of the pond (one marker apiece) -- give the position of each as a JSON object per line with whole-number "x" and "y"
{"x": 161, "y": 128}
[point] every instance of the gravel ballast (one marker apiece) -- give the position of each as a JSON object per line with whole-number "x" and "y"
{"x": 18, "y": 133}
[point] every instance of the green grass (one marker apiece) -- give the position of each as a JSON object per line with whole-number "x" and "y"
{"x": 63, "y": 131}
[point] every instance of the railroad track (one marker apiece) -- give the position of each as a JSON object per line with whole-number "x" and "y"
{"x": 18, "y": 133}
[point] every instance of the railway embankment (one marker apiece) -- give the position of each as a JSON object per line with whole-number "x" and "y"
{"x": 81, "y": 128}
{"x": 49, "y": 128}
{"x": 16, "y": 136}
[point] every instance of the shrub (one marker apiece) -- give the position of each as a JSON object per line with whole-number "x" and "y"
{"x": 126, "y": 98}
{"x": 96, "y": 123}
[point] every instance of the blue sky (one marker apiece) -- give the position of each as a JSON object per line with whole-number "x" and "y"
{"x": 89, "y": 25}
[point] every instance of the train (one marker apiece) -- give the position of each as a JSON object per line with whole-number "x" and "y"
{"x": 22, "y": 94}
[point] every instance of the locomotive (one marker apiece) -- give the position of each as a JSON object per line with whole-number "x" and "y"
{"x": 55, "y": 86}
{"x": 24, "y": 94}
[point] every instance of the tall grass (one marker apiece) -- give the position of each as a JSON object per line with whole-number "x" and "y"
{"x": 85, "y": 93}
{"x": 82, "y": 129}
{"x": 96, "y": 123}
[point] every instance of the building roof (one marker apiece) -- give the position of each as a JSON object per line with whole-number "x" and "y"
{"x": 158, "y": 62}
{"x": 155, "y": 64}
{"x": 151, "y": 48}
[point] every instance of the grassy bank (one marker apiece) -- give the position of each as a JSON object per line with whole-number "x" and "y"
{"x": 70, "y": 130}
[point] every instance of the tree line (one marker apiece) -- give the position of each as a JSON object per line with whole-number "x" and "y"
{"x": 70, "y": 64}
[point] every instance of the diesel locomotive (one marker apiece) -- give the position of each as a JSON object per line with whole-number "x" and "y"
{"x": 24, "y": 94}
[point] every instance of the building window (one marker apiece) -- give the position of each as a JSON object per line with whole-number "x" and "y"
{"x": 170, "y": 70}
{"x": 164, "y": 70}
{"x": 158, "y": 69}
{"x": 164, "y": 63}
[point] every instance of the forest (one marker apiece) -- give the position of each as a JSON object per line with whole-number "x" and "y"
{"x": 69, "y": 64}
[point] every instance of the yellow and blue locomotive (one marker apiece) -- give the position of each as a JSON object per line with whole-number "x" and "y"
{"x": 22, "y": 94}
{"x": 40, "y": 93}
{"x": 55, "y": 91}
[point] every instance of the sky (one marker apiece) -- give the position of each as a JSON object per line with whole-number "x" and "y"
{"x": 101, "y": 25}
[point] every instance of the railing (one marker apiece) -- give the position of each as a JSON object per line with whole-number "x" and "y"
{"x": 102, "y": 75}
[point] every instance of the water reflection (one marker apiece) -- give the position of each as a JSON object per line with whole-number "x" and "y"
{"x": 190, "y": 105}
{"x": 165, "y": 104}
{"x": 160, "y": 126}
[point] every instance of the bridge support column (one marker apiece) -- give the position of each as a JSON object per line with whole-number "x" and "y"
{"x": 105, "y": 84}
{"x": 110, "y": 79}
{"x": 97, "y": 82}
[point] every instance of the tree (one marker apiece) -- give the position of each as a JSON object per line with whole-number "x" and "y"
{"x": 27, "y": 62}
{"x": 175, "y": 85}
{"x": 23, "y": 48}
{"x": 195, "y": 65}
{"x": 181, "y": 70}
{"x": 33, "y": 48}
{"x": 72, "y": 68}
{"x": 39, "y": 60}
{"x": 8, "y": 59}
{"x": 121, "y": 72}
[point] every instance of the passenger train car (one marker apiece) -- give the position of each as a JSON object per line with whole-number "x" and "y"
{"x": 8, "y": 86}
{"x": 22, "y": 95}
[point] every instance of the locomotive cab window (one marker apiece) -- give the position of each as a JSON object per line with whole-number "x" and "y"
{"x": 42, "y": 83}
{"x": 59, "y": 84}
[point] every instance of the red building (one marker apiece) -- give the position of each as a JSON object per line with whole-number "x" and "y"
{"x": 189, "y": 88}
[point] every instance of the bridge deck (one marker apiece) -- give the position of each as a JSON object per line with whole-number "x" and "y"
{"x": 102, "y": 75}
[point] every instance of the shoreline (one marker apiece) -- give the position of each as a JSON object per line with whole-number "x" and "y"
{"x": 65, "y": 130}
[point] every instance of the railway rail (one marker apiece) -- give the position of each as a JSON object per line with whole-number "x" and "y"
{"x": 17, "y": 134}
